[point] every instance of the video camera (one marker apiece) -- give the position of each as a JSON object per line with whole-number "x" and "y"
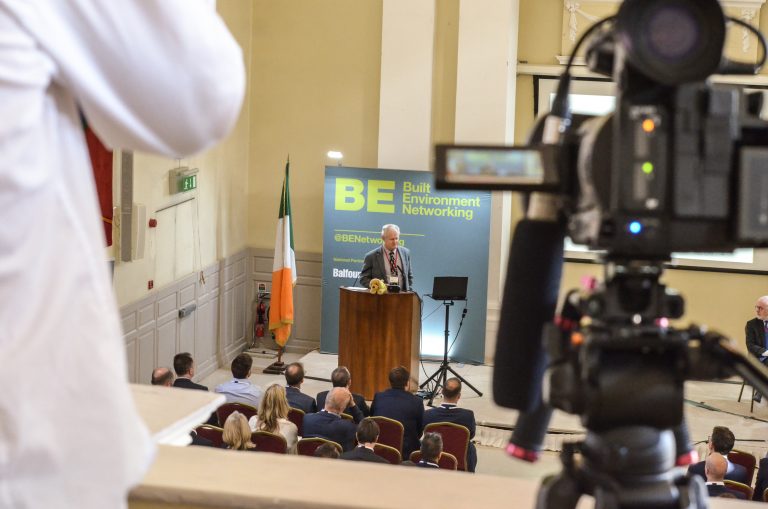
{"x": 680, "y": 165}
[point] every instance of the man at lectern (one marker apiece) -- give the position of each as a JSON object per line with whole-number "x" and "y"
{"x": 391, "y": 262}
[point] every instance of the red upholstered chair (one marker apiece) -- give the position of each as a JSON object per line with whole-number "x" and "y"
{"x": 227, "y": 408}
{"x": 307, "y": 446}
{"x": 269, "y": 442}
{"x": 737, "y": 486}
{"x": 388, "y": 453}
{"x": 296, "y": 416}
{"x": 455, "y": 440}
{"x": 447, "y": 461}
{"x": 746, "y": 460}
{"x": 212, "y": 433}
{"x": 390, "y": 432}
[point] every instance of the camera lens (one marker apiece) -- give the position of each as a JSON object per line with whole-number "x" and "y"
{"x": 673, "y": 34}
{"x": 672, "y": 41}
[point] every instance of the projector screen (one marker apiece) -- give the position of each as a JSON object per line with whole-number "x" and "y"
{"x": 597, "y": 97}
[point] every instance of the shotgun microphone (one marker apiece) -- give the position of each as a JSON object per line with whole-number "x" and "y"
{"x": 530, "y": 297}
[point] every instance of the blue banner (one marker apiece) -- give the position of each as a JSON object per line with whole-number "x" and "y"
{"x": 446, "y": 232}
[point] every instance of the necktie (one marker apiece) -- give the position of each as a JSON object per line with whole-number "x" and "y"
{"x": 392, "y": 263}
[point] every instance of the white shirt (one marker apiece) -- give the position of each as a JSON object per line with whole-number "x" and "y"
{"x": 162, "y": 76}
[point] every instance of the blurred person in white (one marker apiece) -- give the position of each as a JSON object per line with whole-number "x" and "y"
{"x": 162, "y": 76}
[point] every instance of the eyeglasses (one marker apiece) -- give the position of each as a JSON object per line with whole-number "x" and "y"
{"x": 759, "y": 308}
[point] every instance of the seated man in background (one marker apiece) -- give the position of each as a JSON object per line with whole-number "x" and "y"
{"x": 367, "y": 436}
{"x": 294, "y": 377}
{"x": 431, "y": 449}
{"x": 399, "y": 404}
{"x": 756, "y": 331}
{"x": 328, "y": 422}
{"x": 184, "y": 365}
{"x": 721, "y": 441}
{"x": 327, "y": 451}
{"x": 761, "y": 483}
{"x": 715, "y": 470}
{"x": 341, "y": 377}
{"x": 162, "y": 376}
{"x": 448, "y": 411}
{"x": 240, "y": 389}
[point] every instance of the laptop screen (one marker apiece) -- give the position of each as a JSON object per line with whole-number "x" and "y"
{"x": 449, "y": 288}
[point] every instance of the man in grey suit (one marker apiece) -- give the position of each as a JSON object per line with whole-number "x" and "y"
{"x": 389, "y": 262}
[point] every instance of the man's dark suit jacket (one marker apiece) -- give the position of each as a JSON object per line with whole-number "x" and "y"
{"x": 402, "y": 406}
{"x": 298, "y": 399}
{"x": 755, "y": 331}
{"x": 362, "y": 453}
{"x": 716, "y": 490}
{"x": 373, "y": 267}
{"x": 456, "y": 415}
{"x": 761, "y": 483}
{"x": 734, "y": 473}
{"x": 186, "y": 383}
{"x": 331, "y": 427}
{"x": 358, "y": 412}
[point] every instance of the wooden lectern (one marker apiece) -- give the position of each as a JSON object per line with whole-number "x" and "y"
{"x": 376, "y": 334}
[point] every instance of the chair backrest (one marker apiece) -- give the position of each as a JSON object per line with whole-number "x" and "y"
{"x": 307, "y": 446}
{"x": 746, "y": 460}
{"x": 447, "y": 461}
{"x": 227, "y": 408}
{"x": 390, "y": 432}
{"x": 347, "y": 417}
{"x": 296, "y": 416}
{"x": 212, "y": 433}
{"x": 765, "y": 495}
{"x": 737, "y": 486}
{"x": 388, "y": 453}
{"x": 455, "y": 440}
{"x": 269, "y": 442}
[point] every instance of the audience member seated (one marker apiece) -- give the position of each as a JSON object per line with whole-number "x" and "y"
{"x": 162, "y": 376}
{"x": 273, "y": 417}
{"x": 721, "y": 441}
{"x": 341, "y": 377}
{"x": 761, "y": 483}
{"x": 399, "y": 404}
{"x": 240, "y": 389}
{"x": 237, "y": 433}
{"x": 184, "y": 365}
{"x": 714, "y": 469}
{"x": 294, "y": 377}
{"x": 431, "y": 448}
{"x": 327, "y": 451}
{"x": 449, "y": 411}
{"x": 328, "y": 423}
{"x": 367, "y": 435}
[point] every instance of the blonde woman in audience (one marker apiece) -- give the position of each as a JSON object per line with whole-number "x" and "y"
{"x": 273, "y": 416}
{"x": 237, "y": 433}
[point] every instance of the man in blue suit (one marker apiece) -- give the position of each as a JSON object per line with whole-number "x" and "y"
{"x": 399, "y": 404}
{"x": 294, "y": 377}
{"x": 721, "y": 441}
{"x": 450, "y": 412}
{"x": 328, "y": 422}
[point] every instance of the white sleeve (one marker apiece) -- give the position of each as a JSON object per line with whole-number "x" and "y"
{"x": 162, "y": 76}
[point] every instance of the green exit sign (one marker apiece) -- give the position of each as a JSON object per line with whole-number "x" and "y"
{"x": 182, "y": 180}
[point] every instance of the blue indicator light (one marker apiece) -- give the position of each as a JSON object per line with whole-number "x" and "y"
{"x": 635, "y": 227}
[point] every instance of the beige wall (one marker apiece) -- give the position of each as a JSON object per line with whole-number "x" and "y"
{"x": 213, "y": 226}
{"x": 315, "y": 87}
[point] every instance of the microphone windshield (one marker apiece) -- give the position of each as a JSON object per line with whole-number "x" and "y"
{"x": 530, "y": 299}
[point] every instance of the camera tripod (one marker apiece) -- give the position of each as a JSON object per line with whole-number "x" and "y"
{"x": 628, "y": 457}
{"x": 441, "y": 375}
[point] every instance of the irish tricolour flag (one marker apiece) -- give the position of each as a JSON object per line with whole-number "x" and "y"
{"x": 283, "y": 271}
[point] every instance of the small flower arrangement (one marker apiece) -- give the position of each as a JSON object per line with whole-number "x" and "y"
{"x": 378, "y": 287}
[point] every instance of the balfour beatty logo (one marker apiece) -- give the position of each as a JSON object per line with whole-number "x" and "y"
{"x": 346, "y": 273}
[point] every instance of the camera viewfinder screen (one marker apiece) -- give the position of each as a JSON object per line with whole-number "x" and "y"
{"x": 484, "y": 165}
